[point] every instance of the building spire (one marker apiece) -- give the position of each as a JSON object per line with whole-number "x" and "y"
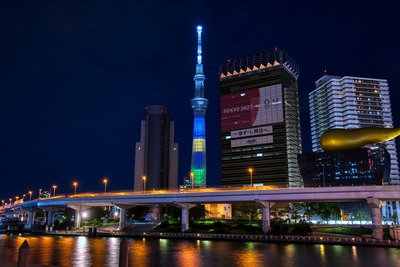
{"x": 199, "y": 76}
{"x": 199, "y": 29}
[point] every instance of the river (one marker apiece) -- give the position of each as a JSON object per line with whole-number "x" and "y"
{"x": 99, "y": 252}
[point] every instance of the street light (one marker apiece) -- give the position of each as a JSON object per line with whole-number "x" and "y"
{"x": 105, "y": 181}
{"x": 2, "y": 202}
{"x": 23, "y": 197}
{"x": 144, "y": 184}
{"x": 251, "y": 176}
{"x": 30, "y": 195}
{"x": 54, "y": 190}
{"x": 10, "y": 200}
{"x": 40, "y": 192}
{"x": 75, "y": 184}
{"x": 16, "y": 198}
{"x": 192, "y": 178}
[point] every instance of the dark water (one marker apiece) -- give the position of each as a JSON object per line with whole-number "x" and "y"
{"x": 84, "y": 251}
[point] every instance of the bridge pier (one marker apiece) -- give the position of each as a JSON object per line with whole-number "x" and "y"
{"x": 30, "y": 219}
{"x": 266, "y": 215}
{"x": 185, "y": 215}
{"x": 78, "y": 214}
{"x": 49, "y": 221}
{"x": 375, "y": 206}
{"x": 122, "y": 215}
{"x": 78, "y": 218}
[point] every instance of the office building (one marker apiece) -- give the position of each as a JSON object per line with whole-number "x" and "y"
{"x": 352, "y": 102}
{"x": 156, "y": 157}
{"x": 198, "y": 171}
{"x": 260, "y": 123}
{"x": 364, "y": 166}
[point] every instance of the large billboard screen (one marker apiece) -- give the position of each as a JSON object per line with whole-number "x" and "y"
{"x": 253, "y": 107}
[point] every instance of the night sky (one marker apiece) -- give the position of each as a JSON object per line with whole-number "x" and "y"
{"x": 76, "y": 76}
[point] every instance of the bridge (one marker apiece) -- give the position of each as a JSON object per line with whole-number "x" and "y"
{"x": 264, "y": 196}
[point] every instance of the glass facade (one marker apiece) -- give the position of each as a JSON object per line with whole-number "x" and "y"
{"x": 345, "y": 167}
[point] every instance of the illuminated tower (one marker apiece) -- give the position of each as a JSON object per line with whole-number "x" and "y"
{"x": 199, "y": 106}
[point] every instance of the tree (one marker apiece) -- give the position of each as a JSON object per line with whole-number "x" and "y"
{"x": 295, "y": 210}
{"x": 384, "y": 218}
{"x": 326, "y": 210}
{"x": 367, "y": 218}
{"x": 198, "y": 212}
{"x": 394, "y": 219}
{"x": 336, "y": 212}
{"x": 359, "y": 216}
{"x": 249, "y": 209}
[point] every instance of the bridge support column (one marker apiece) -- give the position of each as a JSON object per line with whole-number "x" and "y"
{"x": 78, "y": 214}
{"x": 185, "y": 215}
{"x": 375, "y": 206}
{"x": 266, "y": 215}
{"x": 122, "y": 215}
{"x": 78, "y": 219}
{"x": 49, "y": 222}
{"x": 30, "y": 219}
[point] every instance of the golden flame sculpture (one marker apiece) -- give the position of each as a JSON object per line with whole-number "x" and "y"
{"x": 339, "y": 139}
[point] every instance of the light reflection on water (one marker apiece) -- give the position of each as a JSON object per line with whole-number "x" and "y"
{"x": 98, "y": 252}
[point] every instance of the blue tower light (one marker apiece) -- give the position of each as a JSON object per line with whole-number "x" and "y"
{"x": 199, "y": 106}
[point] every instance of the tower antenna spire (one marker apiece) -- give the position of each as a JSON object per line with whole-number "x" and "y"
{"x": 199, "y": 30}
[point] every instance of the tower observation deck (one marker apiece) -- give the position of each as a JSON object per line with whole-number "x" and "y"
{"x": 199, "y": 106}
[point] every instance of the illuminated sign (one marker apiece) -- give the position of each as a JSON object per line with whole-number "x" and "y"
{"x": 260, "y": 106}
{"x": 262, "y": 130}
{"x": 252, "y": 141}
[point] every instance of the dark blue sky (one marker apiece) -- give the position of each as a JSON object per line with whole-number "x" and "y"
{"x": 77, "y": 75}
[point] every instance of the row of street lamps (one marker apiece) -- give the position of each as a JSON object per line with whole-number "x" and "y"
{"x": 105, "y": 181}
{"x": 75, "y": 185}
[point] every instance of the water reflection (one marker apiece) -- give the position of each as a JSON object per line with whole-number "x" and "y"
{"x": 81, "y": 251}
{"x": 140, "y": 254}
{"x": 99, "y": 252}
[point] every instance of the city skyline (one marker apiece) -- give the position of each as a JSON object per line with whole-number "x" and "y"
{"x": 76, "y": 79}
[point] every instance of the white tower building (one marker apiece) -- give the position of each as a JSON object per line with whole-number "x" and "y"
{"x": 352, "y": 102}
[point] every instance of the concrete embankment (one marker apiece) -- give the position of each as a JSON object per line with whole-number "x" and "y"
{"x": 312, "y": 239}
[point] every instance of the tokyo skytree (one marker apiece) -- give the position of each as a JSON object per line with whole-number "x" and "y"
{"x": 199, "y": 106}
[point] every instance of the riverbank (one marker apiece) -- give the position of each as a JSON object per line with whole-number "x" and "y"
{"x": 315, "y": 238}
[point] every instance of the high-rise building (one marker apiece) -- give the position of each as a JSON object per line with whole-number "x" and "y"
{"x": 199, "y": 105}
{"x": 352, "y": 102}
{"x": 156, "y": 157}
{"x": 363, "y": 166}
{"x": 260, "y": 122}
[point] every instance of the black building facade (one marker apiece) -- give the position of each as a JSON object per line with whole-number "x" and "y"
{"x": 156, "y": 157}
{"x": 260, "y": 124}
{"x": 363, "y": 166}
